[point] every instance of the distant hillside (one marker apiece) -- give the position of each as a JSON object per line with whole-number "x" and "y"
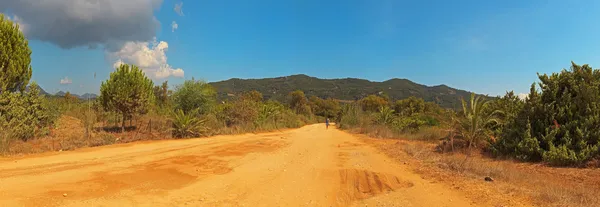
{"x": 83, "y": 97}
{"x": 343, "y": 89}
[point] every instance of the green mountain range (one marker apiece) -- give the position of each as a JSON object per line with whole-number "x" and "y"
{"x": 348, "y": 89}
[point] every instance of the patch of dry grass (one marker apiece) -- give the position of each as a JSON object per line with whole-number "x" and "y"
{"x": 430, "y": 134}
{"x": 543, "y": 188}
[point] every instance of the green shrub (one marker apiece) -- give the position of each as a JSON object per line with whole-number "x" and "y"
{"x": 298, "y": 103}
{"x": 385, "y": 115}
{"x": 240, "y": 112}
{"x": 372, "y": 103}
{"x": 561, "y": 120}
{"x": 194, "y": 95}
{"x": 25, "y": 114}
{"x": 410, "y": 106}
{"x": 187, "y": 125}
{"x": 329, "y": 108}
{"x": 409, "y": 124}
{"x": 352, "y": 116}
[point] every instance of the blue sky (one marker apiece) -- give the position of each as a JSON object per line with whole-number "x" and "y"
{"x": 484, "y": 46}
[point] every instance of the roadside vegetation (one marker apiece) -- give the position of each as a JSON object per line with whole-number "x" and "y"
{"x": 130, "y": 107}
{"x": 557, "y": 123}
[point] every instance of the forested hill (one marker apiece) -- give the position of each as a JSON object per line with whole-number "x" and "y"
{"x": 343, "y": 89}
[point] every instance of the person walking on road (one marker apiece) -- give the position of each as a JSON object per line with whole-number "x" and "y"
{"x": 327, "y": 123}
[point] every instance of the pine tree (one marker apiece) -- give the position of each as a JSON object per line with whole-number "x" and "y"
{"x": 127, "y": 91}
{"x": 15, "y": 57}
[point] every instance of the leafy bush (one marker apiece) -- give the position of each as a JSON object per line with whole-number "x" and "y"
{"x": 194, "y": 95}
{"x": 25, "y": 114}
{"x": 269, "y": 111}
{"x": 409, "y": 124}
{"x": 561, "y": 120}
{"x": 187, "y": 125}
{"x": 352, "y": 116}
{"x": 372, "y": 103}
{"x": 240, "y": 112}
{"x": 326, "y": 108}
{"x": 410, "y": 106}
{"x": 385, "y": 115}
{"x": 298, "y": 103}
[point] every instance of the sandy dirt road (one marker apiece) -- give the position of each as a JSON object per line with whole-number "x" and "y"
{"x": 309, "y": 166}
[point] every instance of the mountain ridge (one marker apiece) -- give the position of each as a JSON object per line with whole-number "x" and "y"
{"x": 341, "y": 88}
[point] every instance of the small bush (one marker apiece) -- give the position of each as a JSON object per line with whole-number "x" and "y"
{"x": 26, "y": 114}
{"x": 385, "y": 115}
{"x": 187, "y": 125}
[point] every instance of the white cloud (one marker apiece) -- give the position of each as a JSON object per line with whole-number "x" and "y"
{"x": 149, "y": 56}
{"x": 73, "y": 23}
{"x": 179, "y": 8}
{"x": 65, "y": 81}
{"x": 174, "y": 26}
{"x": 523, "y": 96}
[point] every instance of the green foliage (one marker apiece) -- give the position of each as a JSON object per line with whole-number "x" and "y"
{"x": 410, "y": 124}
{"x": 385, "y": 115}
{"x": 476, "y": 120}
{"x": 562, "y": 120}
{"x": 372, "y": 103}
{"x": 352, "y": 116}
{"x": 410, "y": 106}
{"x": 510, "y": 105}
{"x": 326, "y": 108}
{"x": 252, "y": 96}
{"x": 161, "y": 94}
{"x": 127, "y": 91}
{"x": 299, "y": 103}
{"x": 187, "y": 124}
{"x": 25, "y": 115}
{"x": 240, "y": 112}
{"x": 15, "y": 57}
{"x": 194, "y": 95}
{"x": 271, "y": 110}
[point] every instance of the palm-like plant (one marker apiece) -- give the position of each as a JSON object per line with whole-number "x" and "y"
{"x": 476, "y": 120}
{"x": 385, "y": 115}
{"x": 268, "y": 111}
{"x": 187, "y": 125}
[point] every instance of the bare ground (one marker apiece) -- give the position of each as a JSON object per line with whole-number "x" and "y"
{"x": 309, "y": 166}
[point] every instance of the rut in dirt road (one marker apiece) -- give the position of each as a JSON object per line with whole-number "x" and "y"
{"x": 310, "y": 166}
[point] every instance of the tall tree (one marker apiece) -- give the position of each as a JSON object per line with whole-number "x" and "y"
{"x": 15, "y": 57}
{"x": 127, "y": 91}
